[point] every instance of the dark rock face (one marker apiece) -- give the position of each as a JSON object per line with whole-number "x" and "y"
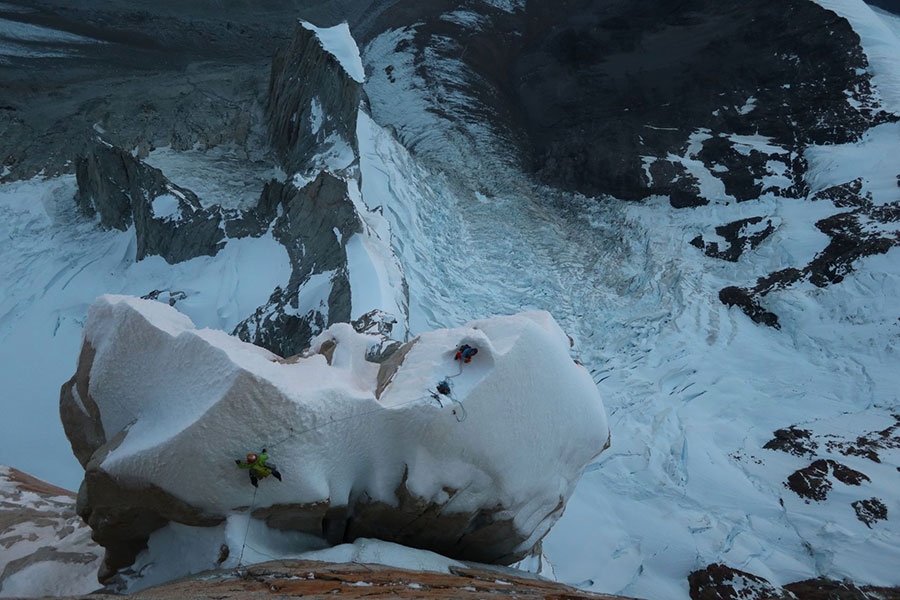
{"x": 740, "y": 237}
{"x": 123, "y": 191}
{"x": 793, "y": 441}
{"x": 312, "y": 102}
{"x": 720, "y": 582}
{"x": 312, "y": 110}
{"x": 483, "y": 536}
{"x": 869, "y": 511}
{"x": 747, "y": 302}
{"x": 602, "y": 84}
{"x": 814, "y": 483}
{"x": 173, "y": 74}
{"x": 632, "y": 99}
{"x": 599, "y": 96}
{"x": 311, "y": 216}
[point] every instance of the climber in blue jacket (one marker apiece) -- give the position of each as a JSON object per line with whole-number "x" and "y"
{"x": 465, "y": 353}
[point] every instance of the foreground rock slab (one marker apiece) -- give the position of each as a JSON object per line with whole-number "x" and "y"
{"x": 319, "y": 581}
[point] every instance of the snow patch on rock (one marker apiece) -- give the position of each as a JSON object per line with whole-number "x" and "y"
{"x": 339, "y": 42}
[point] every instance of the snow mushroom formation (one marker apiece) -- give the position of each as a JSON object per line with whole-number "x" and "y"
{"x": 159, "y": 410}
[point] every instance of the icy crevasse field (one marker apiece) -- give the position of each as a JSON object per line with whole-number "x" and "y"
{"x": 694, "y": 389}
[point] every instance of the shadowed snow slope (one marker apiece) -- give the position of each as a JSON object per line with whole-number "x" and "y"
{"x": 159, "y": 411}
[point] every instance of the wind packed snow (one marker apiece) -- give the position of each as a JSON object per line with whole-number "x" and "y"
{"x": 516, "y": 430}
{"x": 166, "y": 207}
{"x": 338, "y": 42}
{"x": 384, "y": 553}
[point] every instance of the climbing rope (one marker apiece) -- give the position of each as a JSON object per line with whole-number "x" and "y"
{"x": 247, "y": 530}
{"x": 334, "y": 421}
{"x": 443, "y": 388}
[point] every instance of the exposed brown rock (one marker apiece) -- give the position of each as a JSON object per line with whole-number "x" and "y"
{"x": 390, "y": 366}
{"x": 26, "y": 482}
{"x": 80, "y": 415}
{"x": 484, "y": 536}
{"x": 122, "y": 517}
{"x": 320, "y": 581}
{"x": 39, "y": 526}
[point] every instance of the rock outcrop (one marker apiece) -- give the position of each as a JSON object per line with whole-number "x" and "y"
{"x": 315, "y": 225}
{"x": 313, "y": 102}
{"x": 607, "y": 98}
{"x": 473, "y": 460}
{"x": 45, "y": 548}
{"x": 720, "y": 582}
{"x": 830, "y": 456}
{"x": 657, "y": 75}
{"x": 316, "y": 580}
{"x": 123, "y": 191}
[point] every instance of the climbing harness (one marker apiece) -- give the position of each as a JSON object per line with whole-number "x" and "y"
{"x": 443, "y": 389}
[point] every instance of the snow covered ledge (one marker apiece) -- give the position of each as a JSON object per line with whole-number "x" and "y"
{"x": 158, "y": 411}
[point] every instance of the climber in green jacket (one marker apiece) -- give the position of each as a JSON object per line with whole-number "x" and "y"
{"x": 259, "y": 467}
